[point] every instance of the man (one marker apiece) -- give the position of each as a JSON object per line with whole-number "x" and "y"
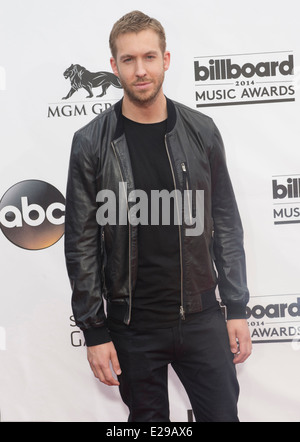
{"x": 158, "y": 278}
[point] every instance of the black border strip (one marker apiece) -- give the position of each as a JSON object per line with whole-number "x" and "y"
{"x": 285, "y": 100}
{"x": 275, "y": 341}
{"x": 287, "y": 222}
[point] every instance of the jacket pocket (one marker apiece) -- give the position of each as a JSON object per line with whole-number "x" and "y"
{"x": 189, "y": 205}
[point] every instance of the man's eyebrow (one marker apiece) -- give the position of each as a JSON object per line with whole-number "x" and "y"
{"x": 123, "y": 57}
{"x": 153, "y": 52}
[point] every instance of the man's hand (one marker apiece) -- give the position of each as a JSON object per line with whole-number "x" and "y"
{"x": 239, "y": 339}
{"x": 99, "y": 357}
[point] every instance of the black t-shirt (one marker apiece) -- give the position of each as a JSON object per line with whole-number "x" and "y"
{"x": 156, "y": 298}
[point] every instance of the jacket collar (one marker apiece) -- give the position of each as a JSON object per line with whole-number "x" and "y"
{"x": 171, "y": 121}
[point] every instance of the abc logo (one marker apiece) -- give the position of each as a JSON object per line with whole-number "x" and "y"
{"x": 32, "y": 214}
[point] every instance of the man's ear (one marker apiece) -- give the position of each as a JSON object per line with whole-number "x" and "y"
{"x": 167, "y": 57}
{"x": 114, "y": 66}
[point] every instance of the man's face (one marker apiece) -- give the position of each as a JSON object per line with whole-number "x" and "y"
{"x": 140, "y": 65}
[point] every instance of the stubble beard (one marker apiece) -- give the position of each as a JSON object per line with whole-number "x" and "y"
{"x": 143, "y": 98}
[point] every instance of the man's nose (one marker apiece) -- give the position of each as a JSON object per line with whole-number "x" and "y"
{"x": 140, "y": 69}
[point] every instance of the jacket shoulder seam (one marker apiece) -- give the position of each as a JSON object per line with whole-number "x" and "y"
{"x": 94, "y": 122}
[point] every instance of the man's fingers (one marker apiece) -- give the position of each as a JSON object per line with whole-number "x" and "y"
{"x": 107, "y": 376}
{"x": 104, "y": 374}
{"x": 233, "y": 343}
{"x": 102, "y": 359}
{"x": 239, "y": 340}
{"x": 244, "y": 351}
{"x": 115, "y": 364}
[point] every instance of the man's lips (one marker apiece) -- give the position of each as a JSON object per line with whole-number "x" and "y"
{"x": 142, "y": 84}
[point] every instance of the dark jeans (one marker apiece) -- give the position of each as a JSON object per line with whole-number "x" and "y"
{"x": 198, "y": 350}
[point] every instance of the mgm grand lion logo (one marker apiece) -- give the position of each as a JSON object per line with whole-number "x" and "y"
{"x": 82, "y": 78}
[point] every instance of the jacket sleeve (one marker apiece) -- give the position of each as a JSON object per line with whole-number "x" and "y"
{"x": 82, "y": 243}
{"x": 228, "y": 235}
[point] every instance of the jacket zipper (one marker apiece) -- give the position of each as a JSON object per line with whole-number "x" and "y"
{"x": 181, "y": 310}
{"x": 129, "y": 238}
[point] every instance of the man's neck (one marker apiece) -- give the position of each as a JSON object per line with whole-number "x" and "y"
{"x": 145, "y": 113}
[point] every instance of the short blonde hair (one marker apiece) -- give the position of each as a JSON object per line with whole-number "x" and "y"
{"x": 136, "y": 21}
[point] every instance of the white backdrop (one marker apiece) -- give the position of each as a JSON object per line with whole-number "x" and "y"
{"x": 44, "y": 375}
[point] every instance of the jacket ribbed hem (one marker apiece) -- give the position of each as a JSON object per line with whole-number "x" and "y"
{"x": 236, "y": 310}
{"x": 96, "y": 336}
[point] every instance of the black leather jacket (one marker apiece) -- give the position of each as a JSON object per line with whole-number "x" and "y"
{"x": 102, "y": 261}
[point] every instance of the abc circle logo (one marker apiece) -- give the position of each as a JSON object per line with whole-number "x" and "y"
{"x": 32, "y": 214}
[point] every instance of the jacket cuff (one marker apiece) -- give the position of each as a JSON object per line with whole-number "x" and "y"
{"x": 236, "y": 311}
{"x": 96, "y": 336}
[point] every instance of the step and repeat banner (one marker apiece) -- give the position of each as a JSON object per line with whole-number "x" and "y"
{"x": 239, "y": 63}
